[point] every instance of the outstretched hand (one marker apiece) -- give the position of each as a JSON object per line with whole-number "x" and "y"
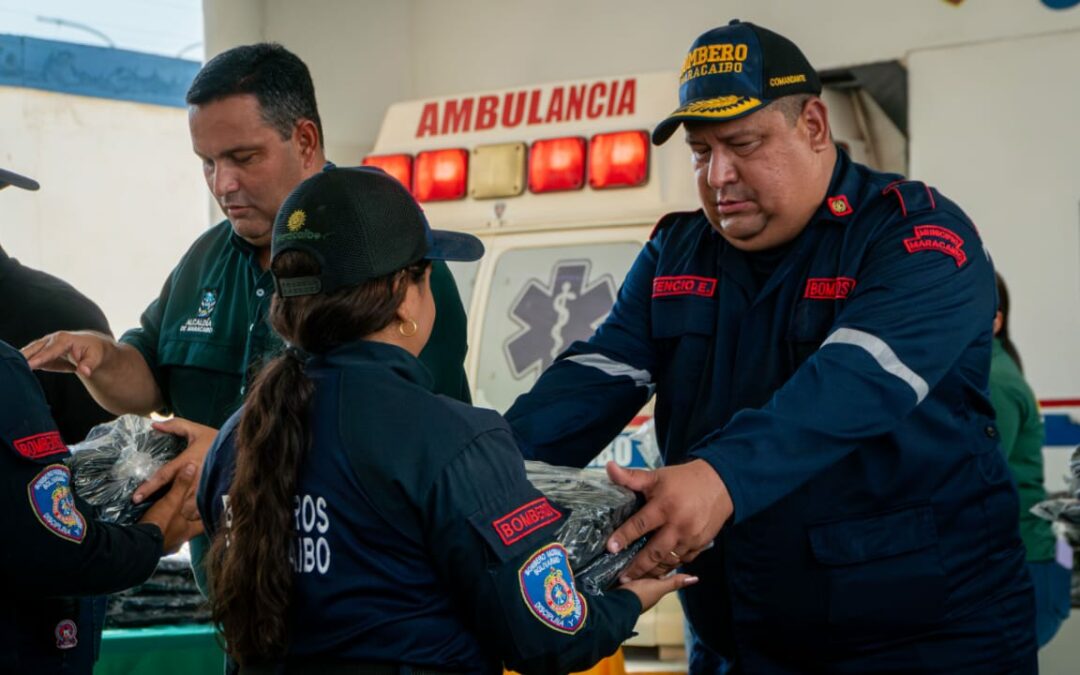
{"x": 649, "y": 591}
{"x": 686, "y": 504}
{"x": 199, "y": 439}
{"x": 166, "y": 512}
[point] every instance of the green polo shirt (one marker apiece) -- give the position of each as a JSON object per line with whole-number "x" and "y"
{"x": 206, "y": 335}
{"x": 1021, "y": 429}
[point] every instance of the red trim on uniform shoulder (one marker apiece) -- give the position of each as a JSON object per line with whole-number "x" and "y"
{"x": 40, "y": 445}
{"x": 838, "y": 205}
{"x": 685, "y": 284}
{"x": 829, "y": 289}
{"x": 937, "y": 238}
{"x": 930, "y": 194}
{"x": 524, "y": 520}
{"x": 894, "y": 188}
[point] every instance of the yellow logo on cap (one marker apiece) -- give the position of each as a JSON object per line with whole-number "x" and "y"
{"x": 296, "y": 220}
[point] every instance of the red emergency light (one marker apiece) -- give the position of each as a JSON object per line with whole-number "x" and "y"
{"x": 557, "y": 164}
{"x": 441, "y": 174}
{"x": 618, "y": 159}
{"x": 398, "y": 166}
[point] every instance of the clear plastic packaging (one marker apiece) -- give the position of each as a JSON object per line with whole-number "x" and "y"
{"x": 116, "y": 458}
{"x": 597, "y": 508}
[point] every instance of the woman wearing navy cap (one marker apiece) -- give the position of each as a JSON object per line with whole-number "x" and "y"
{"x": 361, "y": 523}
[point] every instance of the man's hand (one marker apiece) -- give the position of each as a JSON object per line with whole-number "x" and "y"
{"x": 165, "y": 513}
{"x": 68, "y": 352}
{"x": 199, "y": 438}
{"x": 686, "y": 503}
{"x": 649, "y": 591}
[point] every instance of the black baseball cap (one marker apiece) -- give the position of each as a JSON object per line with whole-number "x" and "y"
{"x": 734, "y": 70}
{"x": 359, "y": 223}
{"x": 11, "y": 178}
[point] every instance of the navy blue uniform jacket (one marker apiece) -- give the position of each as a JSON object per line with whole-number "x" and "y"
{"x": 53, "y": 549}
{"x": 844, "y": 402}
{"x": 420, "y": 542}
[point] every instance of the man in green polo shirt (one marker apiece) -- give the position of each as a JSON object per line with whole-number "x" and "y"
{"x": 256, "y": 128}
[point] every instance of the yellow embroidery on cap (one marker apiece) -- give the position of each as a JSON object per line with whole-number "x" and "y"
{"x": 296, "y": 220}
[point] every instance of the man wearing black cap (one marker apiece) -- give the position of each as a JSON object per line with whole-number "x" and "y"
{"x": 255, "y": 127}
{"x": 33, "y": 303}
{"x": 818, "y": 336}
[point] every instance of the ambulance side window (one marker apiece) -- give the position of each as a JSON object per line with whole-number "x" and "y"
{"x": 465, "y": 278}
{"x": 541, "y": 301}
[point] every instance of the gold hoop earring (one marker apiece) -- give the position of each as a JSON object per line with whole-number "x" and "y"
{"x": 411, "y": 330}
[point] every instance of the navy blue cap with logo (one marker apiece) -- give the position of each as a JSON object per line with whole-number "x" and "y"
{"x": 359, "y": 223}
{"x": 735, "y": 70}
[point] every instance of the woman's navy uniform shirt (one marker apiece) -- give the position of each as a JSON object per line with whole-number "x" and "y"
{"x": 843, "y": 399}
{"x": 419, "y": 539}
{"x": 53, "y": 548}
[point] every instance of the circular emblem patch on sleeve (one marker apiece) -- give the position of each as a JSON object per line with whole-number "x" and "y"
{"x": 547, "y": 586}
{"x": 54, "y": 505}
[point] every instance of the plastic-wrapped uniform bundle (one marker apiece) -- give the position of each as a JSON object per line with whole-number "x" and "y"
{"x": 168, "y": 597}
{"x": 597, "y": 508}
{"x": 1065, "y": 511}
{"x": 116, "y": 458}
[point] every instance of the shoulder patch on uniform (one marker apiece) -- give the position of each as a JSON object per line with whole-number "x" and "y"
{"x": 937, "y": 238}
{"x": 67, "y": 634}
{"x": 547, "y": 586}
{"x": 40, "y": 445}
{"x": 54, "y": 504}
{"x": 524, "y": 520}
{"x": 914, "y": 196}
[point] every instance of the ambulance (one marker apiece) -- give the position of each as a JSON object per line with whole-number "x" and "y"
{"x": 563, "y": 186}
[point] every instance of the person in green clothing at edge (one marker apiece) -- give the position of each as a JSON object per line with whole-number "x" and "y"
{"x": 255, "y": 126}
{"x": 1020, "y": 428}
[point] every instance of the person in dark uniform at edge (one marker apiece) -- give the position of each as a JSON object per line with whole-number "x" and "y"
{"x": 256, "y": 128}
{"x": 354, "y": 511}
{"x": 55, "y": 552}
{"x": 818, "y": 337}
{"x": 34, "y": 303}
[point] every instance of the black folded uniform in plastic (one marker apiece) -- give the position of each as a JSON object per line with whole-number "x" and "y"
{"x": 116, "y": 458}
{"x": 597, "y": 508}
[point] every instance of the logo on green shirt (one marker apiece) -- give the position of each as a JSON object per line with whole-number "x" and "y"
{"x": 203, "y": 321}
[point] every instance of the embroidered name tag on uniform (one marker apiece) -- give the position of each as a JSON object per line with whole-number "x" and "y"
{"x": 523, "y": 521}
{"x": 937, "y": 238}
{"x": 547, "y": 585}
{"x": 829, "y": 289}
{"x": 663, "y": 287}
{"x": 40, "y": 445}
{"x": 54, "y": 505}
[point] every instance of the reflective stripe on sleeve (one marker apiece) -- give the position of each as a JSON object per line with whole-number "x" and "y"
{"x": 641, "y": 378}
{"x": 884, "y": 355}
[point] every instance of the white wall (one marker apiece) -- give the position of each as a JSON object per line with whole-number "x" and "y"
{"x": 367, "y": 54}
{"x": 122, "y": 195}
{"x": 995, "y": 126}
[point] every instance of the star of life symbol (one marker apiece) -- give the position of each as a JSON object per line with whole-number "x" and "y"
{"x": 553, "y": 315}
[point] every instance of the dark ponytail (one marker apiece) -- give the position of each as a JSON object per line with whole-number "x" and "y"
{"x": 248, "y": 567}
{"x": 1003, "y": 334}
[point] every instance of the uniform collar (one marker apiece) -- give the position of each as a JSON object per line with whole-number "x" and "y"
{"x": 379, "y": 354}
{"x": 843, "y": 196}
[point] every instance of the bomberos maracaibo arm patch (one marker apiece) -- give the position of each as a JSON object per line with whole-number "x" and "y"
{"x": 547, "y": 586}
{"x": 53, "y": 503}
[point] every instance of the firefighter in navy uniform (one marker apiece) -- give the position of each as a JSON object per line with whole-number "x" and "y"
{"x": 404, "y": 536}
{"x": 818, "y": 337}
{"x": 54, "y": 550}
